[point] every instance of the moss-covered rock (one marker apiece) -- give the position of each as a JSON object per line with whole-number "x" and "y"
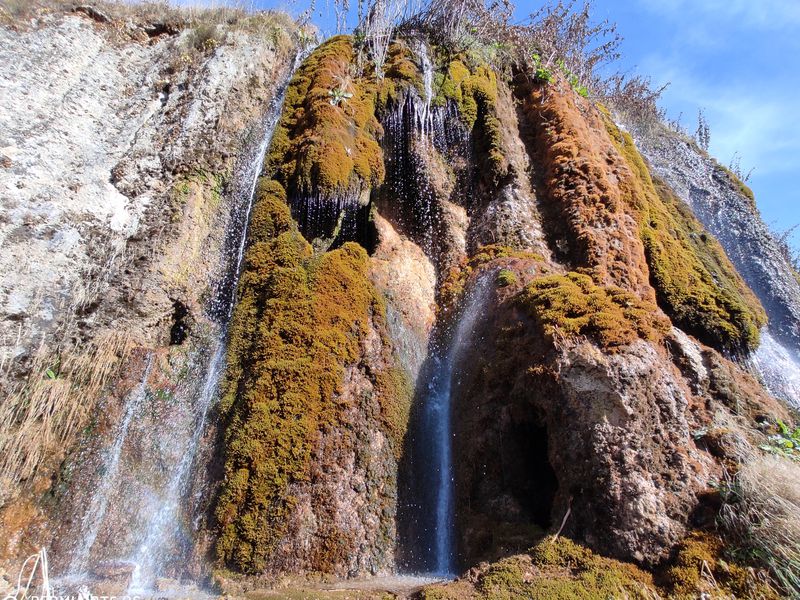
{"x": 560, "y": 569}
{"x": 300, "y": 320}
{"x": 695, "y": 282}
{"x": 401, "y": 72}
{"x": 699, "y": 568}
{"x": 326, "y": 141}
{"x": 573, "y": 305}
{"x": 554, "y": 569}
{"x": 474, "y": 92}
{"x": 452, "y": 288}
{"x": 505, "y": 278}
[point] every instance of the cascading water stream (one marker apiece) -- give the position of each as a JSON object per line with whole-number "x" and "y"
{"x": 165, "y": 525}
{"x": 161, "y": 531}
{"x": 98, "y": 507}
{"x": 424, "y": 113}
{"x": 778, "y": 367}
{"x": 418, "y": 134}
{"x": 437, "y": 433}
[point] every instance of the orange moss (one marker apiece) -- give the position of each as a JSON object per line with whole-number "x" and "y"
{"x": 580, "y": 188}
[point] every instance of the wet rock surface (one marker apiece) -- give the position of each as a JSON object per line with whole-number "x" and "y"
{"x": 122, "y": 187}
{"x": 718, "y": 201}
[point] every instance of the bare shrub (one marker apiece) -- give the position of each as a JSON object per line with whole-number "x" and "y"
{"x": 636, "y": 100}
{"x": 735, "y": 167}
{"x": 204, "y": 37}
{"x": 783, "y": 240}
{"x": 761, "y": 515}
{"x": 566, "y": 37}
{"x": 457, "y": 24}
{"x": 377, "y": 26}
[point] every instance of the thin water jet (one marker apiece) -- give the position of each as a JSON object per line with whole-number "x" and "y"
{"x": 432, "y": 513}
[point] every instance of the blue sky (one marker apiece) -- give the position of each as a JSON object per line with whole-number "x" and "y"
{"x": 738, "y": 60}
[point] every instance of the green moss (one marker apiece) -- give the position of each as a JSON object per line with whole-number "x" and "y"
{"x": 396, "y": 391}
{"x": 560, "y": 569}
{"x": 740, "y": 185}
{"x": 452, "y": 287}
{"x": 576, "y": 572}
{"x": 573, "y": 305}
{"x": 695, "y": 282}
{"x": 506, "y": 278}
{"x": 300, "y": 318}
{"x": 401, "y": 72}
{"x": 208, "y": 184}
{"x": 503, "y": 580}
{"x": 474, "y": 91}
{"x": 321, "y": 148}
{"x": 699, "y": 568}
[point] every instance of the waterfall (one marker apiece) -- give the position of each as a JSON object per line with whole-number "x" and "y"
{"x": 98, "y": 507}
{"x": 778, "y": 367}
{"x": 732, "y": 218}
{"x": 165, "y": 527}
{"x": 156, "y": 510}
{"x": 425, "y": 116}
{"x": 418, "y": 135}
{"x": 435, "y": 437}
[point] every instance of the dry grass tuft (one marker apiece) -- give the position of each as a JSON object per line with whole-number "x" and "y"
{"x": 761, "y": 515}
{"x": 170, "y": 16}
{"x": 46, "y": 412}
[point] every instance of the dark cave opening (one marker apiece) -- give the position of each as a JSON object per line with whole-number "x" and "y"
{"x": 527, "y": 472}
{"x": 329, "y": 223}
{"x": 180, "y": 328}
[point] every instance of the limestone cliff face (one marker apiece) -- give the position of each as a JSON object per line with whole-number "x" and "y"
{"x": 123, "y": 145}
{"x": 727, "y": 208}
{"x": 446, "y": 232}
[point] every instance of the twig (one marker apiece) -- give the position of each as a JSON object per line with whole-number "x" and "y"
{"x": 564, "y": 520}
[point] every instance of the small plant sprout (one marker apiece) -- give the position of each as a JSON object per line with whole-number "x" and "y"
{"x": 786, "y": 443}
{"x": 338, "y": 95}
